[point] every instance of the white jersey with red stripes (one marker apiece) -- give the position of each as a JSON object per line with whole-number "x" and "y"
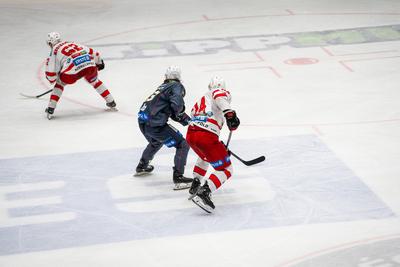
{"x": 69, "y": 58}
{"x": 208, "y": 113}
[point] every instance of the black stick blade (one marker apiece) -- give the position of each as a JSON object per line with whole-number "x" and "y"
{"x": 249, "y": 162}
{"x": 254, "y": 161}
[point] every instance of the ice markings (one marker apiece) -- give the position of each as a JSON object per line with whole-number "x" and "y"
{"x": 6, "y": 204}
{"x": 93, "y": 198}
{"x": 154, "y": 193}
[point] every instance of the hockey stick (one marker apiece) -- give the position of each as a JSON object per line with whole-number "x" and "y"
{"x": 229, "y": 139}
{"x": 245, "y": 162}
{"x": 36, "y": 96}
{"x": 248, "y": 162}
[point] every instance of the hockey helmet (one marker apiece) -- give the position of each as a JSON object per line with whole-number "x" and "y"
{"x": 53, "y": 38}
{"x": 216, "y": 83}
{"x": 173, "y": 73}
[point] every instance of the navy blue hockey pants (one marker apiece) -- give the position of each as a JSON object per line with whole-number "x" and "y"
{"x": 165, "y": 135}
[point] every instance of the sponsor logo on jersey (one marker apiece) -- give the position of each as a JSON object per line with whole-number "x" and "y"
{"x": 82, "y": 66}
{"x": 200, "y": 118}
{"x": 79, "y": 54}
{"x": 201, "y": 124}
{"x": 80, "y": 60}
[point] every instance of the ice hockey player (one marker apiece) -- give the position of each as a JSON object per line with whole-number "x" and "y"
{"x": 207, "y": 119}
{"x": 166, "y": 102}
{"x": 69, "y": 62}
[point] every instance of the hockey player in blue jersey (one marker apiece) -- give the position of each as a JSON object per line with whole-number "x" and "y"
{"x": 166, "y": 102}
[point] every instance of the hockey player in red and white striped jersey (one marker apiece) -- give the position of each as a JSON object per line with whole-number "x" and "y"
{"x": 69, "y": 62}
{"x": 207, "y": 118}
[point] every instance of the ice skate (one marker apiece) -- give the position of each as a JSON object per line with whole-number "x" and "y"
{"x": 194, "y": 188}
{"x": 112, "y": 106}
{"x": 180, "y": 181}
{"x": 49, "y": 113}
{"x": 203, "y": 199}
{"x": 143, "y": 169}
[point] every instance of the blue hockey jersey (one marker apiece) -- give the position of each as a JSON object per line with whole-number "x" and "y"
{"x": 167, "y": 101}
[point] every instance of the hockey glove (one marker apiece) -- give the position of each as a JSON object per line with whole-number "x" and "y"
{"x": 101, "y": 65}
{"x": 232, "y": 120}
{"x": 182, "y": 118}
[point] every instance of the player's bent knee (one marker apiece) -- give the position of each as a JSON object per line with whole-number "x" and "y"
{"x": 170, "y": 142}
{"x": 221, "y": 164}
{"x": 179, "y": 144}
{"x": 183, "y": 145}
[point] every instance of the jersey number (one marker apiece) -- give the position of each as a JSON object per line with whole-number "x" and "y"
{"x": 200, "y": 110}
{"x": 153, "y": 95}
{"x": 70, "y": 49}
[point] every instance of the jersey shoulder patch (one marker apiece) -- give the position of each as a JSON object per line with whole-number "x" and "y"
{"x": 220, "y": 93}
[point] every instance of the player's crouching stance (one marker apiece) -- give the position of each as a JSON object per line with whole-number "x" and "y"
{"x": 69, "y": 62}
{"x": 166, "y": 102}
{"x": 203, "y": 137}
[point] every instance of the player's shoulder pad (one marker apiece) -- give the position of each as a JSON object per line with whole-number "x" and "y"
{"x": 217, "y": 93}
{"x": 177, "y": 86}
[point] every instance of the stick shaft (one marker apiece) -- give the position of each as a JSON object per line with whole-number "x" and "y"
{"x": 229, "y": 139}
{"x": 44, "y": 93}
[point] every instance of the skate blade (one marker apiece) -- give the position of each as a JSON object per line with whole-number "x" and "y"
{"x": 139, "y": 174}
{"x": 112, "y": 109}
{"x": 197, "y": 200}
{"x": 49, "y": 116}
{"x": 182, "y": 186}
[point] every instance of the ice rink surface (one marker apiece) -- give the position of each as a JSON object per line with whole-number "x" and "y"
{"x": 315, "y": 84}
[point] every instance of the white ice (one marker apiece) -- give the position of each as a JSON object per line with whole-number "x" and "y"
{"x": 347, "y": 104}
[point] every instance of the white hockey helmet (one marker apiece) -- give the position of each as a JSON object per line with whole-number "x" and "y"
{"x": 173, "y": 73}
{"x": 216, "y": 83}
{"x": 53, "y": 38}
